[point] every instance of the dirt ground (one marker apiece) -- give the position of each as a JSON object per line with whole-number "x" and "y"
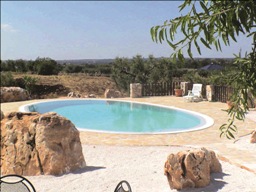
{"x": 54, "y": 86}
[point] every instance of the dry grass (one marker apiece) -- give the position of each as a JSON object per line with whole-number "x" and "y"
{"x": 60, "y": 85}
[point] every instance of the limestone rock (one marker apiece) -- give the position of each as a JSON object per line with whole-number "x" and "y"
{"x": 34, "y": 144}
{"x": 192, "y": 168}
{"x": 11, "y": 94}
{"x": 253, "y": 137}
{"x": 2, "y": 115}
{"x": 91, "y": 96}
{"x": 74, "y": 95}
{"x": 111, "y": 93}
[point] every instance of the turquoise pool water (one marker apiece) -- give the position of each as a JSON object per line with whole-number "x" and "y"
{"x": 123, "y": 117}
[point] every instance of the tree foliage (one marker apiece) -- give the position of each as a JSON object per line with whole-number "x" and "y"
{"x": 215, "y": 23}
{"x": 46, "y": 66}
{"x": 6, "y": 79}
{"x": 140, "y": 70}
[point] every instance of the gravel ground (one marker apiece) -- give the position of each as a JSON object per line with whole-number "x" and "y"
{"x": 142, "y": 167}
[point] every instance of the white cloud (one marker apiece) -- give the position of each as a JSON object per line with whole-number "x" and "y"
{"x": 7, "y": 27}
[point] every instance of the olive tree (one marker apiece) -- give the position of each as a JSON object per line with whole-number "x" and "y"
{"x": 213, "y": 24}
{"x": 135, "y": 70}
{"x": 46, "y": 66}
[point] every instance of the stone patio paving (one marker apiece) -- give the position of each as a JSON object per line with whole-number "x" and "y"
{"x": 209, "y": 138}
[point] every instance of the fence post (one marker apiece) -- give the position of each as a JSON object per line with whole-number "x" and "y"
{"x": 184, "y": 87}
{"x": 209, "y": 92}
{"x": 135, "y": 90}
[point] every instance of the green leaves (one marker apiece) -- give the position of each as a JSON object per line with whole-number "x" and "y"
{"x": 228, "y": 130}
{"x": 29, "y": 83}
{"x": 198, "y": 48}
{"x": 219, "y": 21}
{"x": 141, "y": 70}
{"x": 204, "y": 7}
{"x": 154, "y": 32}
{"x": 205, "y": 43}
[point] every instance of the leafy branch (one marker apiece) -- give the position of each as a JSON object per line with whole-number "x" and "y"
{"x": 219, "y": 21}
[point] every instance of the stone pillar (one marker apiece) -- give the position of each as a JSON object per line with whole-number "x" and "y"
{"x": 2, "y": 115}
{"x": 135, "y": 90}
{"x": 184, "y": 87}
{"x": 209, "y": 92}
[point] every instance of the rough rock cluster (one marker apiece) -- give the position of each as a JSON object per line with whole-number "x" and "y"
{"x": 34, "y": 144}
{"x": 78, "y": 95}
{"x": 74, "y": 94}
{"x": 191, "y": 169}
{"x": 111, "y": 93}
{"x": 11, "y": 94}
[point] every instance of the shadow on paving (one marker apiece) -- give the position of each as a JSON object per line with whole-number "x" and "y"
{"x": 217, "y": 182}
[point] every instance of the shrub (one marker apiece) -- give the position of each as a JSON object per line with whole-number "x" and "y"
{"x": 6, "y": 79}
{"x": 46, "y": 66}
{"x": 29, "y": 83}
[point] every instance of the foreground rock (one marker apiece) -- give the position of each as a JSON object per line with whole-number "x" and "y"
{"x": 253, "y": 137}
{"x": 11, "y": 94}
{"x": 34, "y": 144}
{"x": 190, "y": 169}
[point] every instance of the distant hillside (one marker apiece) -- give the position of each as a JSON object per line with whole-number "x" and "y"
{"x": 86, "y": 61}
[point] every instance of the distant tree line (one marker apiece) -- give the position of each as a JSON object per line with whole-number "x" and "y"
{"x": 48, "y": 66}
{"x": 40, "y": 66}
{"x": 125, "y": 71}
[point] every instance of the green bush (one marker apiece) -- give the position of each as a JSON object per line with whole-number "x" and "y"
{"x": 6, "y": 79}
{"x": 46, "y": 66}
{"x": 29, "y": 83}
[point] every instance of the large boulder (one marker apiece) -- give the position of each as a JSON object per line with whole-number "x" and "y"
{"x": 192, "y": 168}
{"x": 253, "y": 137}
{"x": 11, "y": 94}
{"x": 34, "y": 144}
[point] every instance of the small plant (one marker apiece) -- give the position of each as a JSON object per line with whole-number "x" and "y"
{"x": 29, "y": 83}
{"x": 177, "y": 87}
{"x": 178, "y": 91}
{"x": 6, "y": 79}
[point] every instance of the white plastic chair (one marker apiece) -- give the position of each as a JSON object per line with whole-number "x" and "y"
{"x": 195, "y": 94}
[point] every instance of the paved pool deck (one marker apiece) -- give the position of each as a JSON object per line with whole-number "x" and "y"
{"x": 209, "y": 138}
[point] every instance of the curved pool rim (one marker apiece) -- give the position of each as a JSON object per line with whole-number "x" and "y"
{"x": 208, "y": 120}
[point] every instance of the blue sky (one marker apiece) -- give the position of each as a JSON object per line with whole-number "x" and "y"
{"x": 90, "y": 30}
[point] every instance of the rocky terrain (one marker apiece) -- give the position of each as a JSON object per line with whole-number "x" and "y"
{"x": 54, "y": 86}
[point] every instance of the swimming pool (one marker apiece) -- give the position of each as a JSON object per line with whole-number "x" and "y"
{"x": 116, "y": 116}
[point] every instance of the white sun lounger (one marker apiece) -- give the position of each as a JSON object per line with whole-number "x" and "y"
{"x": 195, "y": 94}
